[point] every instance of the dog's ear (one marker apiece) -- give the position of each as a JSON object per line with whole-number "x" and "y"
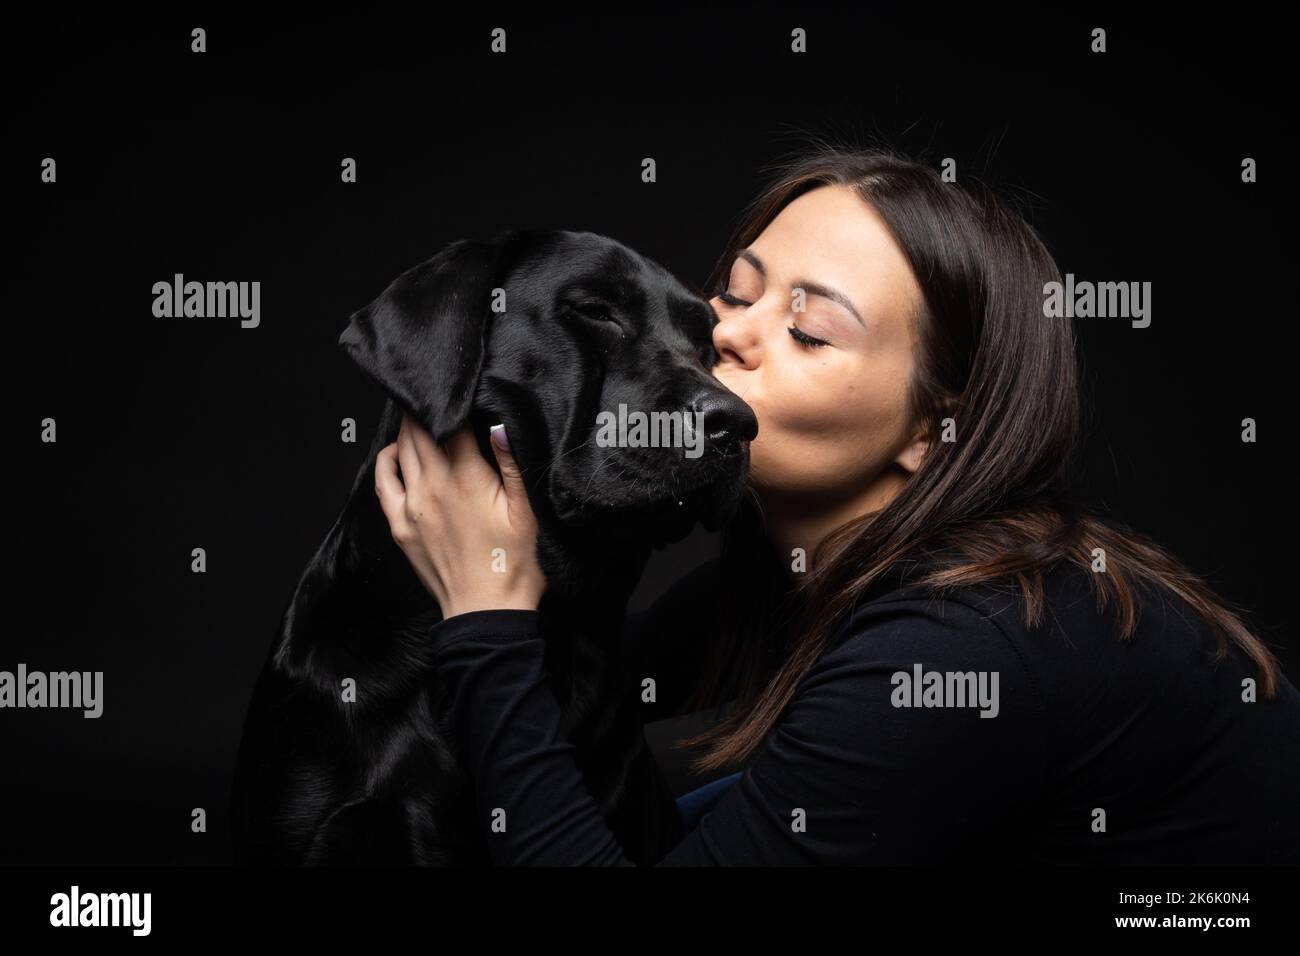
{"x": 422, "y": 339}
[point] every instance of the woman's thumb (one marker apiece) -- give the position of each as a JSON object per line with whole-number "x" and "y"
{"x": 511, "y": 479}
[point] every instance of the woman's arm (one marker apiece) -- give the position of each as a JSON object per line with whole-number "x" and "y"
{"x": 846, "y": 777}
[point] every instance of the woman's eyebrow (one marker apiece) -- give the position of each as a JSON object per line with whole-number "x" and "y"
{"x": 811, "y": 288}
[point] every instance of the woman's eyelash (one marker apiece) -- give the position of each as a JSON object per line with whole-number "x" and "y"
{"x": 806, "y": 340}
{"x": 730, "y": 299}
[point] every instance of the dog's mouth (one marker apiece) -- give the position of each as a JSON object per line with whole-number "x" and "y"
{"x": 668, "y": 510}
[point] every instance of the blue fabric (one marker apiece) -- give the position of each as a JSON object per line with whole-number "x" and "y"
{"x": 695, "y": 804}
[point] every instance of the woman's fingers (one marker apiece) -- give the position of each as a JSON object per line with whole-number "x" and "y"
{"x": 420, "y": 453}
{"x": 429, "y": 471}
{"x": 389, "y": 488}
{"x": 407, "y": 459}
{"x": 467, "y": 463}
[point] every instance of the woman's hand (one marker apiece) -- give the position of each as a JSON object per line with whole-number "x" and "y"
{"x": 470, "y": 536}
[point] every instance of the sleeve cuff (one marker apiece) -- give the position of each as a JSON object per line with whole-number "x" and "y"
{"x": 499, "y": 623}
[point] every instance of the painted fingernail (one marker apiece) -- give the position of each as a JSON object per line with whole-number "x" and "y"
{"x": 499, "y": 437}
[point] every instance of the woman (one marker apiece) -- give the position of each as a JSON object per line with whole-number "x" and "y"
{"x": 929, "y": 651}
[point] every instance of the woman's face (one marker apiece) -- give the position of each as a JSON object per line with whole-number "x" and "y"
{"x": 828, "y": 383}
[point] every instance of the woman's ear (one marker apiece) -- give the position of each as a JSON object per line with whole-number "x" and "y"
{"x": 914, "y": 452}
{"x": 910, "y": 458}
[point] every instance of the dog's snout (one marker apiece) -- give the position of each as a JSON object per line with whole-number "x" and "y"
{"x": 725, "y": 418}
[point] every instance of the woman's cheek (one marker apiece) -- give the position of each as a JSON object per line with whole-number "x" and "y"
{"x": 845, "y": 439}
{"x": 795, "y": 451}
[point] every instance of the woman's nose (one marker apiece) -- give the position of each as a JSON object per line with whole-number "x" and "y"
{"x": 734, "y": 339}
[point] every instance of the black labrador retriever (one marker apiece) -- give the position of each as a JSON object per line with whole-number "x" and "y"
{"x": 343, "y": 759}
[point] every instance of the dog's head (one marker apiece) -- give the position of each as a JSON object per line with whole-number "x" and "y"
{"x": 597, "y": 360}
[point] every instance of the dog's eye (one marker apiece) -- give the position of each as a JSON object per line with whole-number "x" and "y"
{"x": 593, "y": 311}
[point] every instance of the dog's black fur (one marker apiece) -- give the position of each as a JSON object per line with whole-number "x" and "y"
{"x": 587, "y": 324}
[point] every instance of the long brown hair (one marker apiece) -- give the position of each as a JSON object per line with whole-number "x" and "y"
{"x": 999, "y": 502}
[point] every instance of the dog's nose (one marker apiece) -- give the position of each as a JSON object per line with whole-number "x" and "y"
{"x": 726, "y": 420}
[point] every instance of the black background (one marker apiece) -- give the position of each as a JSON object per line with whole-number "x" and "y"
{"x": 225, "y": 166}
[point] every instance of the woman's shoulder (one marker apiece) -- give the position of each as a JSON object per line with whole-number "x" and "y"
{"x": 1068, "y": 599}
{"x": 904, "y": 624}
{"x": 983, "y": 628}
{"x": 900, "y": 602}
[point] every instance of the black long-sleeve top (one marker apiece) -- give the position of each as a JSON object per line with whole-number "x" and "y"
{"x": 1083, "y": 748}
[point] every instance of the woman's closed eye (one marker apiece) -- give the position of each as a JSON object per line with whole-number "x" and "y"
{"x": 803, "y": 338}
{"x": 806, "y": 340}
